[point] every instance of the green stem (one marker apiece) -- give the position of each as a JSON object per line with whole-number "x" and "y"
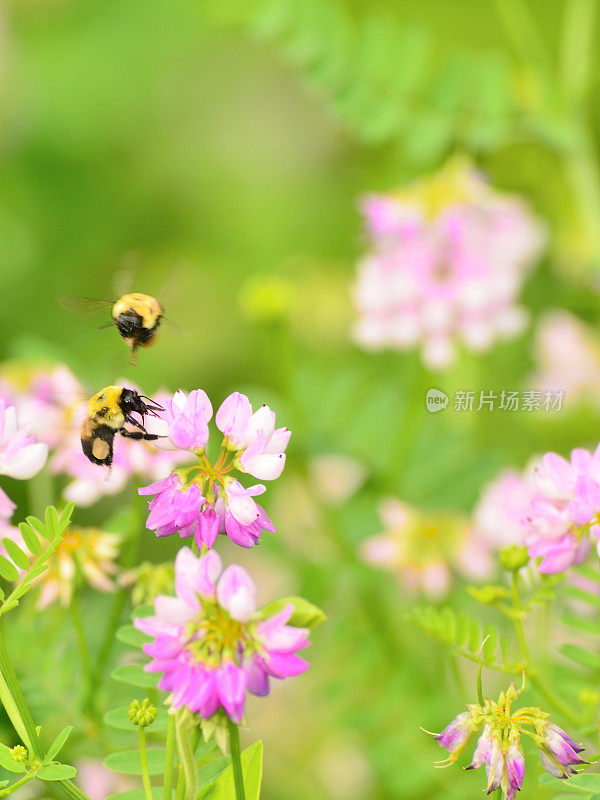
{"x": 82, "y": 645}
{"x": 144, "y": 762}
{"x": 72, "y": 791}
{"x": 523, "y": 33}
{"x": 169, "y": 757}
{"x": 186, "y": 754}
{"x": 577, "y": 48}
{"x": 120, "y": 597}
{"x": 17, "y": 703}
{"x": 179, "y": 794}
{"x": 17, "y": 784}
{"x": 536, "y": 680}
{"x": 583, "y": 171}
{"x": 236, "y": 759}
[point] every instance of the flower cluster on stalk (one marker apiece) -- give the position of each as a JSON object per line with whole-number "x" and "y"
{"x": 207, "y": 499}
{"x": 448, "y": 258}
{"x": 499, "y": 743}
{"x": 210, "y": 643}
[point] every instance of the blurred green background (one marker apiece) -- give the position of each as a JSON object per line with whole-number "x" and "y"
{"x": 220, "y": 147}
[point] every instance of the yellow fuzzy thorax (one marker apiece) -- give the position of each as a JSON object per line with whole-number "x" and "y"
{"x": 109, "y": 397}
{"x": 145, "y": 305}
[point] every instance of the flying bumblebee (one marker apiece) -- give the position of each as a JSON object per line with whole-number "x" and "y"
{"x": 137, "y": 316}
{"x": 107, "y": 412}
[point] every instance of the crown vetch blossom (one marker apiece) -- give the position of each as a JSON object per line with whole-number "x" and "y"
{"x": 563, "y": 514}
{"x": 210, "y": 645}
{"x": 422, "y": 548}
{"x": 21, "y": 456}
{"x": 499, "y": 746}
{"x": 499, "y": 516}
{"x": 206, "y": 499}
{"x": 448, "y": 258}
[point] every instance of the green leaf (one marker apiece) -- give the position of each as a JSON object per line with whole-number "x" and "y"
{"x": 224, "y": 787}
{"x": 304, "y": 615}
{"x": 65, "y": 517}
{"x": 138, "y": 794}
{"x": 142, "y": 611}
{"x": 209, "y": 773}
{"x": 38, "y": 526}
{"x": 583, "y": 783}
{"x": 29, "y": 537}
{"x": 7, "y": 761}
{"x": 128, "y": 761}
{"x": 581, "y": 656}
{"x": 131, "y": 636}
{"x": 8, "y": 570}
{"x": 51, "y": 519}
{"x": 58, "y": 744}
{"x": 581, "y": 623}
{"x": 117, "y": 718}
{"x": 56, "y": 772}
{"x": 134, "y": 674}
{"x": 16, "y": 555}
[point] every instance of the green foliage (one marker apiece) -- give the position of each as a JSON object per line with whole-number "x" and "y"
{"x": 52, "y": 530}
{"x": 56, "y": 772}
{"x": 223, "y": 788}
{"x": 58, "y": 744}
{"x": 128, "y": 761}
{"x": 134, "y": 675}
{"x": 466, "y": 636}
{"x": 386, "y": 80}
{"x": 304, "y": 615}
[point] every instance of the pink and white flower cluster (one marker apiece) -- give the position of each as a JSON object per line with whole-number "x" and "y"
{"x": 448, "y": 258}
{"x": 211, "y": 645}
{"x": 563, "y": 517}
{"x": 206, "y": 499}
{"x": 499, "y": 518}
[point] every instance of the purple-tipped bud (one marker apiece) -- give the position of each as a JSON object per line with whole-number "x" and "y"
{"x": 483, "y": 751}
{"x": 571, "y": 742}
{"x": 515, "y": 769}
{"x": 557, "y": 743}
{"x": 455, "y": 736}
{"x": 495, "y": 766}
{"x": 550, "y": 765}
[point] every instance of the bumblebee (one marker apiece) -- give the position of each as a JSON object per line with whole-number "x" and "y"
{"x": 107, "y": 412}
{"x": 137, "y": 317}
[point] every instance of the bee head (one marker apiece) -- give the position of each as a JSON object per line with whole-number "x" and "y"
{"x": 132, "y": 401}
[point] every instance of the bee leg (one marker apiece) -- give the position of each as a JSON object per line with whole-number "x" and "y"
{"x": 132, "y": 421}
{"x": 149, "y": 437}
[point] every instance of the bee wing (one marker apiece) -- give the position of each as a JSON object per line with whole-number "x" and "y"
{"x": 84, "y": 305}
{"x": 125, "y": 278}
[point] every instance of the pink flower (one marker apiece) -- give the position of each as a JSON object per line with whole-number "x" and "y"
{"x": 499, "y": 516}
{"x": 260, "y": 446}
{"x": 20, "y": 455}
{"x": 423, "y": 549}
{"x": 187, "y": 418}
{"x": 568, "y": 357}
{"x": 563, "y": 513}
{"x": 448, "y": 259}
{"x": 174, "y": 507}
{"x": 219, "y": 503}
{"x": 211, "y": 653}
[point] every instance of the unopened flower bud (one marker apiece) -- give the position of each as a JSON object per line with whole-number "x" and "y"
{"x": 514, "y": 557}
{"x": 19, "y": 753}
{"x": 142, "y": 714}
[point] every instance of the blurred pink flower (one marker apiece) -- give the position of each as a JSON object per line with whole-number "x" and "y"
{"x": 98, "y": 782}
{"x": 499, "y": 516}
{"x": 21, "y": 456}
{"x": 448, "y": 258}
{"x": 563, "y": 514}
{"x": 424, "y": 549}
{"x": 568, "y": 357}
{"x": 208, "y": 644}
